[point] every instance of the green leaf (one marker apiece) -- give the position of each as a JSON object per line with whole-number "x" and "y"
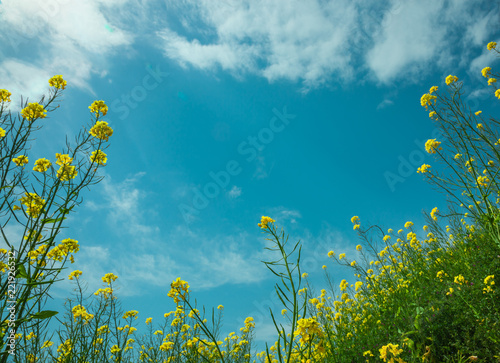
{"x": 44, "y": 314}
{"x": 21, "y": 271}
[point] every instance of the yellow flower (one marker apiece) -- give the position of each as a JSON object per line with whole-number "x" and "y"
{"x": 434, "y": 212}
{"x": 353, "y": 263}
{"x": 74, "y": 274}
{"x": 480, "y": 126}
{"x": 283, "y": 312}
{"x": 42, "y": 165}
{"x": 220, "y": 307}
{"x": 99, "y": 157}
{"x": 98, "y": 107}
{"x": 341, "y": 256}
{"x": 355, "y": 219}
{"x": 433, "y": 89}
{"x": 58, "y": 82}
{"x": 33, "y": 111}
{"x": 478, "y": 113}
{"x": 2, "y": 132}
{"x": 432, "y": 145}
{"x": 130, "y": 314}
{"x": 497, "y": 93}
{"x": 483, "y": 181}
{"x": 424, "y": 168}
{"x": 457, "y": 156}
{"x": 408, "y": 224}
{"x": 451, "y": 79}
{"x": 148, "y": 320}
{"x": 427, "y": 99}
{"x": 491, "y": 81}
{"x": 486, "y": 71}
{"x": 47, "y": 344}
{"x": 109, "y": 277}
{"x": 491, "y": 45}
{"x": 358, "y": 247}
{"x": 21, "y": 160}
{"x": 67, "y": 172}
{"x": 63, "y": 159}
{"x": 5, "y": 95}
{"x": 331, "y": 253}
{"x": 356, "y": 226}
{"x": 264, "y": 221}
{"x": 101, "y": 130}
{"x": 304, "y": 275}
{"x": 386, "y": 238}
{"x": 432, "y": 114}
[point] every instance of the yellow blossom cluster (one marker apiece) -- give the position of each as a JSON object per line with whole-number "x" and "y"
{"x": 80, "y": 312}
{"x": 33, "y": 111}
{"x": 109, "y": 277}
{"x": 432, "y": 145}
{"x": 98, "y": 107}
{"x": 178, "y": 290}
{"x": 5, "y": 95}
{"x": 264, "y": 221}
{"x": 101, "y": 130}
{"x": 42, "y": 165}
{"x": 21, "y": 160}
{"x": 98, "y": 157}
{"x": 34, "y": 204}
{"x": 58, "y": 82}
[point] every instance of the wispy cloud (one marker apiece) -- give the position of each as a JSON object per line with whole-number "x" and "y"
{"x": 235, "y": 192}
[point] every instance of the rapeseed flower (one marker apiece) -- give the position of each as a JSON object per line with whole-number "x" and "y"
{"x": 5, "y": 95}
{"x": 264, "y": 221}
{"x": 101, "y": 130}
{"x": 486, "y": 71}
{"x": 427, "y": 99}
{"x": 99, "y": 157}
{"x": 491, "y": 81}
{"x": 432, "y": 145}
{"x": 42, "y": 165}
{"x": 21, "y": 160}
{"x": 451, "y": 79}
{"x": 424, "y": 168}
{"x": 478, "y": 113}
{"x": 67, "y": 172}
{"x": 58, "y": 82}
{"x": 33, "y": 111}
{"x": 109, "y": 277}
{"x": 98, "y": 107}
{"x": 75, "y": 274}
{"x": 491, "y": 45}
{"x": 2, "y": 132}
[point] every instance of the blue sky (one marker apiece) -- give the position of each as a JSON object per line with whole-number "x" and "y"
{"x": 305, "y": 111}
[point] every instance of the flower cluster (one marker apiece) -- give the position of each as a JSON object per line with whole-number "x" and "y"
{"x": 33, "y": 111}
{"x": 42, "y": 165}
{"x": 80, "y": 312}
{"x": 98, "y": 107}
{"x": 58, "y": 82}
{"x": 101, "y": 130}
{"x": 424, "y": 168}
{"x": 21, "y": 160}
{"x": 109, "y": 277}
{"x": 178, "y": 290}
{"x": 34, "y": 204}
{"x": 265, "y": 221}
{"x": 75, "y": 274}
{"x": 306, "y": 328}
{"x": 426, "y": 100}
{"x": 451, "y": 79}
{"x": 355, "y": 221}
{"x": 63, "y": 249}
{"x": 98, "y": 157}
{"x": 432, "y": 145}
{"x": 66, "y": 171}
{"x": 5, "y": 95}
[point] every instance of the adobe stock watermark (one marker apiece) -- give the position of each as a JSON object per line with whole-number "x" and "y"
{"x": 139, "y": 93}
{"x": 11, "y": 302}
{"x": 220, "y": 180}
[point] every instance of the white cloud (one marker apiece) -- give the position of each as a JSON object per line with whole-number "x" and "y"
{"x": 43, "y": 38}
{"x": 285, "y": 39}
{"x": 235, "y": 192}
{"x": 315, "y": 41}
